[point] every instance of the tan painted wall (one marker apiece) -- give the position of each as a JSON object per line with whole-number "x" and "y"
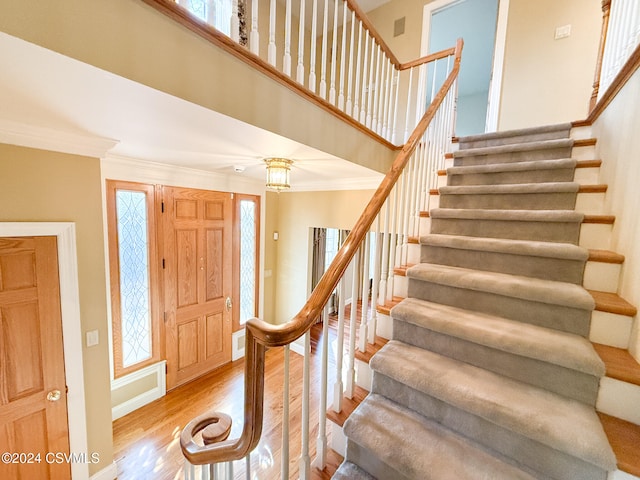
{"x": 40, "y": 186}
{"x": 131, "y": 39}
{"x": 271, "y": 203}
{"x": 297, "y": 214}
{"x": 619, "y": 148}
{"x": 548, "y": 81}
{"x": 544, "y": 80}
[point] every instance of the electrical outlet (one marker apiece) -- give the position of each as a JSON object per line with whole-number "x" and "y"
{"x": 563, "y": 32}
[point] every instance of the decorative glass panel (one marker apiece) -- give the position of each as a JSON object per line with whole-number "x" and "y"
{"x": 133, "y": 252}
{"x": 247, "y": 260}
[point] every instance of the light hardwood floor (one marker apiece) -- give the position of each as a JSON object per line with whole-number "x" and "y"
{"x": 146, "y": 442}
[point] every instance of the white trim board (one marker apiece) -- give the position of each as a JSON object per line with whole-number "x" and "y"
{"x": 65, "y": 233}
{"x": 158, "y": 370}
{"x": 495, "y": 86}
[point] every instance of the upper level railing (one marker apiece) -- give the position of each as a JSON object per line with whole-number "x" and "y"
{"x": 327, "y": 51}
{"x": 619, "y": 38}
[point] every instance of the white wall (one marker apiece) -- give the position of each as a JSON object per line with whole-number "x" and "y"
{"x": 619, "y": 148}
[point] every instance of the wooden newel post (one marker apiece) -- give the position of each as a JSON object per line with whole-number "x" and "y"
{"x": 606, "y": 9}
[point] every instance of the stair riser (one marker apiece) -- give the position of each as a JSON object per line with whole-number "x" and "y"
{"x": 563, "y": 381}
{"x": 587, "y": 176}
{"x": 610, "y": 329}
{"x": 558, "y": 317}
{"x": 530, "y": 201}
{"x": 503, "y": 178}
{"x": 368, "y": 461}
{"x": 596, "y": 236}
{"x": 603, "y": 277}
{"x": 590, "y": 203}
{"x": 509, "y": 157}
{"x": 537, "y": 267}
{"x": 508, "y": 445}
{"x": 564, "y": 232}
{"x": 495, "y": 142}
{"x": 617, "y": 398}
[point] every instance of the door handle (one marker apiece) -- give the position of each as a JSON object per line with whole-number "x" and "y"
{"x": 228, "y": 304}
{"x": 54, "y": 395}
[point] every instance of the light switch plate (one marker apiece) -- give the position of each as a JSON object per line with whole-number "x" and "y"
{"x": 92, "y": 338}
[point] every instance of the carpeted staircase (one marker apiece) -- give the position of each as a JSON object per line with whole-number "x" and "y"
{"x": 489, "y": 374}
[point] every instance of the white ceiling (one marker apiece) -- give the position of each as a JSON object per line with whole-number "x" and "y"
{"x": 51, "y": 101}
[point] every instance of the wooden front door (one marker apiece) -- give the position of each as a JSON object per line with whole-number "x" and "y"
{"x": 197, "y": 245}
{"x": 33, "y": 399}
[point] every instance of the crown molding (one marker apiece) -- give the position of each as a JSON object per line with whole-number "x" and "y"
{"x": 118, "y": 167}
{"x": 43, "y": 138}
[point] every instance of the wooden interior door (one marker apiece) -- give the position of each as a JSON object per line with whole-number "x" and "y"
{"x": 197, "y": 246}
{"x": 33, "y": 399}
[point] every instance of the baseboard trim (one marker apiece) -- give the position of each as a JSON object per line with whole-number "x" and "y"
{"x": 108, "y": 473}
{"x": 128, "y": 406}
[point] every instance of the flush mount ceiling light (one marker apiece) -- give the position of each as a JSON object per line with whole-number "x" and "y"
{"x": 278, "y": 173}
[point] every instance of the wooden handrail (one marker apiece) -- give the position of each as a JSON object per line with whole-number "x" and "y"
{"x": 606, "y": 10}
{"x": 360, "y": 15}
{"x": 428, "y": 58}
{"x": 260, "y": 334}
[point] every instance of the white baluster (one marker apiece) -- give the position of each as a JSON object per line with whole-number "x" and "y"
{"x": 384, "y": 272}
{"x": 338, "y": 388}
{"x": 271, "y": 51}
{"x": 387, "y": 100}
{"x": 305, "y": 461}
{"x": 285, "y": 416}
{"x": 381, "y": 95}
{"x": 323, "y": 64}
{"x": 395, "y": 109}
{"x": 365, "y": 87}
{"x": 321, "y": 446}
{"x": 254, "y": 36}
{"x": 312, "y": 60}
{"x": 349, "y": 105}
{"x": 247, "y": 466}
{"x": 406, "y": 211}
{"x": 377, "y": 91}
{"x": 406, "y": 120}
{"x": 300, "y": 71}
{"x": 402, "y": 191}
{"x": 392, "y": 245}
{"x": 372, "y": 86}
{"x": 351, "y": 370}
{"x": 356, "y": 107}
{"x": 334, "y": 55}
{"x": 343, "y": 52}
{"x": 235, "y": 22}
{"x": 364, "y": 317}
{"x": 373, "y": 323}
{"x": 286, "y": 59}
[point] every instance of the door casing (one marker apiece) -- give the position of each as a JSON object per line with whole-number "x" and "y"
{"x": 71, "y": 326}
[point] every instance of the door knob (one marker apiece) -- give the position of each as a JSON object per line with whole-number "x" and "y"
{"x": 54, "y": 395}
{"x": 227, "y": 303}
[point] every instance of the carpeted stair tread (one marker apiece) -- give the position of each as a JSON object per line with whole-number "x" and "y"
{"x": 563, "y": 424}
{"x": 417, "y": 448}
{"x": 525, "y": 288}
{"x": 505, "y": 189}
{"x": 514, "y": 167}
{"x": 561, "y": 129}
{"x": 350, "y": 471}
{"x": 547, "y": 345}
{"x": 565, "y": 251}
{"x": 556, "y": 216}
{"x": 515, "y": 147}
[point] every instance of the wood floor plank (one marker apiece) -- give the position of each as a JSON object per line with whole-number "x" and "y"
{"x": 146, "y": 442}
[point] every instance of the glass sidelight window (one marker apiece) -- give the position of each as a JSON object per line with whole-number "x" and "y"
{"x": 132, "y": 263}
